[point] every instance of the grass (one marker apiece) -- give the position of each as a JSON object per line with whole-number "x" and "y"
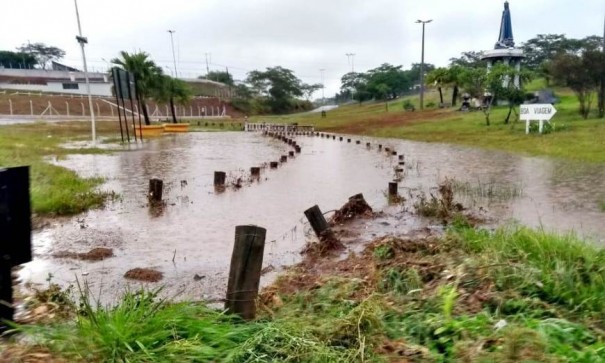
{"x": 573, "y": 138}
{"x": 491, "y": 190}
{"x": 54, "y": 190}
{"x": 474, "y": 295}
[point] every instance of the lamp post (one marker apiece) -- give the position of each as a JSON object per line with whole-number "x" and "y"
{"x": 83, "y": 40}
{"x": 173, "y": 56}
{"x": 351, "y": 59}
{"x": 423, "y": 22}
{"x": 323, "y": 100}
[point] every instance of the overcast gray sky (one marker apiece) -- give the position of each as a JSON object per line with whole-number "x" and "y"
{"x": 302, "y": 35}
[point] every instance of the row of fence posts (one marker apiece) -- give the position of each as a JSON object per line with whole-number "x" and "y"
{"x": 393, "y": 187}
{"x": 248, "y": 250}
{"x": 202, "y": 111}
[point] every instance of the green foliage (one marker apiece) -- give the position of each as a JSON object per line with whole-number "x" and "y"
{"x": 143, "y": 329}
{"x": 471, "y": 59}
{"x": 54, "y": 190}
{"x": 582, "y": 73}
{"x": 219, "y": 76}
{"x": 383, "y": 252}
{"x": 171, "y": 90}
{"x": 147, "y": 74}
{"x": 557, "y": 269}
{"x": 10, "y": 59}
{"x": 43, "y": 53}
{"x": 278, "y": 87}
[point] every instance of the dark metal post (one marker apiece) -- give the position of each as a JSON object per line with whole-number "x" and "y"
{"x": 115, "y": 88}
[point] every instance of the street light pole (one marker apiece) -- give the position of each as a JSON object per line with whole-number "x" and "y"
{"x": 173, "y": 56}
{"x": 351, "y": 58}
{"x": 423, "y": 22}
{"x": 83, "y": 40}
{"x": 323, "y": 99}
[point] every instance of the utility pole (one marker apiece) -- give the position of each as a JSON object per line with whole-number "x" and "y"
{"x": 173, "y": 56}
{"x": 323, "y": 99}
{"x": 423, "y": 22}
{"x": 208, "y": 61}
{"x": 83, "y": 40}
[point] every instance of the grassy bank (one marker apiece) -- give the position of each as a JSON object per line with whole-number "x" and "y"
{"x": 573, "y": 138}
{"x": 471, "y": 296}
{"x": 54, "y": 190}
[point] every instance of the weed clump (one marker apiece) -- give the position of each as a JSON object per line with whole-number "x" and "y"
{"x": 354, "y": 208}
{"x": 441, "y": 206}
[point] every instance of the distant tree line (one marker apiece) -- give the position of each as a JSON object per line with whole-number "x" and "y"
{"x": 381, "y": 83}
{"x": 575, "y": 63}
{"x": 31, "y": 55}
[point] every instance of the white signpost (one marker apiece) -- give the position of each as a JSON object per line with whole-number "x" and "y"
{"x": 537, "y": 112}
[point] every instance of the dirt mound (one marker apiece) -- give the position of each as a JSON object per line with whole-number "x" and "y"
{"x": 144, "y": 274}
{"x": 355, "y": 207}
{"x": 96, "y": 254}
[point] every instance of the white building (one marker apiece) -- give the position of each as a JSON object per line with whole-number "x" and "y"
{"x": 56, "y": 81}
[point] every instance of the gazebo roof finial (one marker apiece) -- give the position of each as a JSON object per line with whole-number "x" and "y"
{"x": 505, "y": 39}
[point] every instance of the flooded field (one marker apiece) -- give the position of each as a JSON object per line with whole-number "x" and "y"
{"x": 190, "y": 240}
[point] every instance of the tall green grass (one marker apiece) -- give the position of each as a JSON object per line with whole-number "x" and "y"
{"x": 557, "y": 269}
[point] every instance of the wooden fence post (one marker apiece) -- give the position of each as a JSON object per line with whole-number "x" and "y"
{"x": 255, "y": 171}
{"x": 317, "y": 220}
{"x": 219, "y": 178}
{"x": 393, "y": 189}
{"x": 156, "y": 187}
{"x": 245, "y": 271}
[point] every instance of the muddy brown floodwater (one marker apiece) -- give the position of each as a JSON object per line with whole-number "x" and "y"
{"x": 189, "y": 241}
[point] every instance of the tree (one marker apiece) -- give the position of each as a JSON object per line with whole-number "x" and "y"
{"x": 544, "y": 48}
{"x": 439, "y": 78}
{"x": 470, "y": 59}
{"x": 17, "y": 60}
{"x": 146, "y": 73}
{"x": 355, "y": 84}
{"x": 413, "y": 73}
{"x": 387, "y": 82}
{"x": 278, "y": 85}
{"x": 219, "y": 76}
{"x": 500, "y": 82}
{"x": 309, "y": 89}
{"x": 578, "y": 73}
{"x": 170, "y": 90}
{"x": 42, "y": 53}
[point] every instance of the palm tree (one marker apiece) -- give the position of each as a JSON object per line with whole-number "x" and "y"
{"x": 171, "y": 90}
{"x": 146, "y": 74}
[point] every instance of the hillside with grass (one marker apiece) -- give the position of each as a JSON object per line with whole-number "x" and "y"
{"x": 571, "y": 136}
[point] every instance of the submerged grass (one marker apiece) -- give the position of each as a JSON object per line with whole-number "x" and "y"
{"x": 54, "y": 190}
{"x": 491, "y": 190}
{"x": 508, "y": 295}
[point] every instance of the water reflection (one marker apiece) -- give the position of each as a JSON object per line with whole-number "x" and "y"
{"x": 196, "y": 225}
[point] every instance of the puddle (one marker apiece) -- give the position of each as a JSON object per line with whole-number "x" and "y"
{"x": 190, "y": 240}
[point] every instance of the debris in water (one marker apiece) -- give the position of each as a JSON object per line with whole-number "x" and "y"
{"x": 96, "y": 254}
{"x": 144, "y": 274}
{"x": 355, "y": 207}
